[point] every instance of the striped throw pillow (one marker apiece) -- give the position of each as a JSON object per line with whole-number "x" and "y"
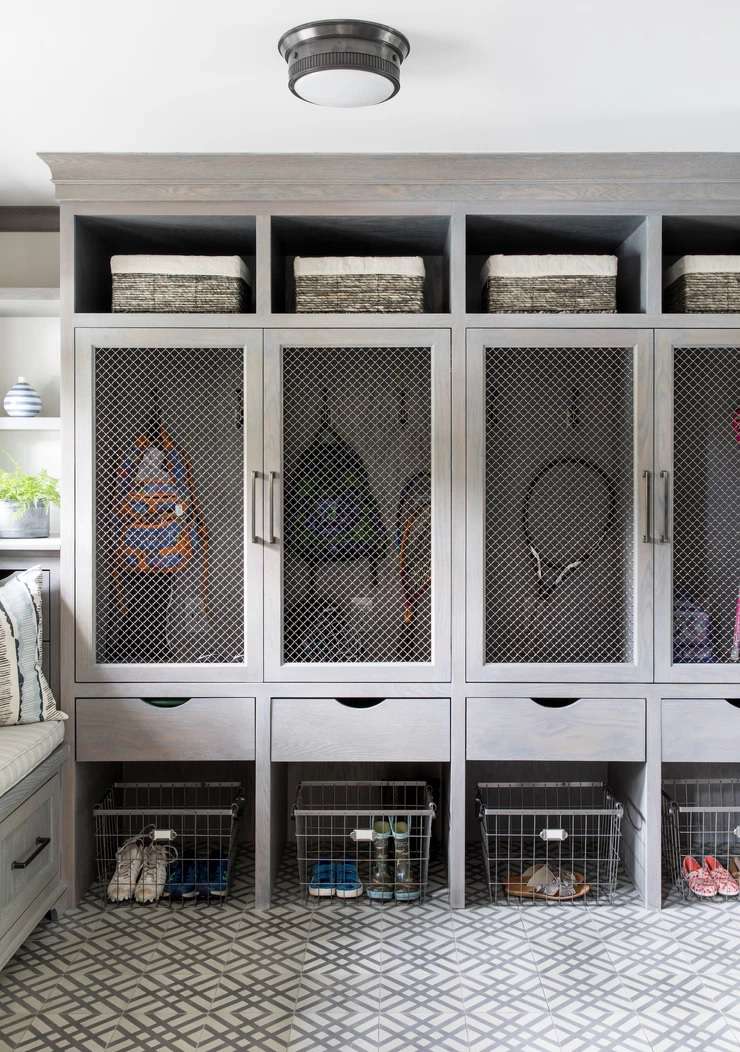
{"x": 25, "y": 696}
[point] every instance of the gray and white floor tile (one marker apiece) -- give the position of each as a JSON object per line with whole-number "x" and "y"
{"x": 331, "y": 976}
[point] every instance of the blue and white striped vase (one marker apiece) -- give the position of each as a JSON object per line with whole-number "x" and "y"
{"x": 22, "y": 400}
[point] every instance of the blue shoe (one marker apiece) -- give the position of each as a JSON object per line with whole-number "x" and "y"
{"x": 212, "y": 876}
{"x": 180, "y": 879}
{"x": 348, "y": 884}
{"x": 324, "y": 881}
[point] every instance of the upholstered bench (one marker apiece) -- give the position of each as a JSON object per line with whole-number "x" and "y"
{"x": 32, "y": 753}
{"x": 31, "y": 757}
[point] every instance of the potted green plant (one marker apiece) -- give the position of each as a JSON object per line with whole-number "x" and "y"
{"x": 25, "y": 501}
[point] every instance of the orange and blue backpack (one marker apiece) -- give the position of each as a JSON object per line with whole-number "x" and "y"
{"x": 161, "y": 525}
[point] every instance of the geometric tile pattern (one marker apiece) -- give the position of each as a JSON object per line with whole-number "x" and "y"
{"x": 345, "y": 977}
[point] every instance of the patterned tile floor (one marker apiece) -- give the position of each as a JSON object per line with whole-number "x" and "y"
{"x": 347, "y": 977}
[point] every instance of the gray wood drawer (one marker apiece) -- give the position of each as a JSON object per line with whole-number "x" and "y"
{"x": 128, "y": 729}
{"x": 702, "y": 730}
{"x": 394, "y": 729}
{"x": 597, "y": 729}
{"x": 29, "y": 851}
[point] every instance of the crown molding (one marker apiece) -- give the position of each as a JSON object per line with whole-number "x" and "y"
{"x": 586, "y": 178}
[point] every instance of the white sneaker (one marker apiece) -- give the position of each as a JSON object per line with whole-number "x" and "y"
{"x": 153, "y": 878}
{"x": 129, "y": 860}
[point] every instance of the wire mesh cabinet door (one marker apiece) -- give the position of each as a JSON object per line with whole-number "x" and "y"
{"x": 168, "y": 516}
{"x": 697, "y": 521}
{"x": 357, "y": 458}
{"x": 560, "y": 440}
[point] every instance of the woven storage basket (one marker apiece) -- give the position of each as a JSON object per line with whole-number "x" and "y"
{"x": 550, "y": 284}
{"x": 353, "y": 284}
{"x": 703, "y": 285}
{"x": 180, "y": 284}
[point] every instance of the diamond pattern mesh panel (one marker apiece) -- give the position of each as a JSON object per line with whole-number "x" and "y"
{"x": 559, "y": 505}
{"x": 356, "y": 504}
{"x": 169, "y": 467}
{"x": 706, "y": 523}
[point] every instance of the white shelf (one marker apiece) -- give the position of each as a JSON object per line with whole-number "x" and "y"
{"x": 30, "y": 544}
{"x": 30, "y": 423}
{"x": 29, "y": 303}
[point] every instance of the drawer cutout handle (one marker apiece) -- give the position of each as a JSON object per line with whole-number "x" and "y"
{"x": 553, "y": 834}
{"x": 166, "y": 703}
{"x": 41, "y": 843}
{"x": 360, "y": 703}
{"x": 555, "y": 703}
{"x": 735, "y": 702}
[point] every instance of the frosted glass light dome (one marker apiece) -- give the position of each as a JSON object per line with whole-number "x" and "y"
{"x": 344, "y": 62}
{"x": 344, "y": 87}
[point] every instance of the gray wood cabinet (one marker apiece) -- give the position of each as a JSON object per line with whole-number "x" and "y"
{"x": 589, "y": 730}
{"x": 560, "y": 547}
{"x": 405, "y": 730}
{"x": 357, "y": 454}
{"x": 495, "y": 400}
{"x": 698, "y": 530}
{"x": 701, "y": 730}
{"x": 169, "y": 505}
{"x": 137, "y": 730}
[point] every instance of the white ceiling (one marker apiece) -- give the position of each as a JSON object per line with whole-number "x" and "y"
{"x": 483, "y": 75}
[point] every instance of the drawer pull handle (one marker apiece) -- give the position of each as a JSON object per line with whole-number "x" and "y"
{"x": 553, "y": 834}
{"x": 166, "y": 703}
{"x": 41, "y": 843}
{"x": 360, "y": 703}
{"x": 555, "y": 703}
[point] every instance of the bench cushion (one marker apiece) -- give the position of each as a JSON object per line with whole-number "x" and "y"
{"x": 24, "y": 747}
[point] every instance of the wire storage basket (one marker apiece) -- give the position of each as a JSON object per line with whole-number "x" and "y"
{"x": 167, "y": 841}
{"x": 701, "y": 819}
{"x": 366, "y": 840}
{"x": 549, "y": 841}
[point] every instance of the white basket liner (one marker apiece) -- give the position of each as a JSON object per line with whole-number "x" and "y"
{"x": 549, "y": 267}
{"x": 403, "y": 266}
{"x": 190, "y": 266}
{"x": 701, "y": 265}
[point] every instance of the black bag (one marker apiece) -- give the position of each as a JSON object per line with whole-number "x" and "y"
{"x": 331, "y": 514}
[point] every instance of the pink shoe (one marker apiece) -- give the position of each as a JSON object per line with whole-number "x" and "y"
{"x": 723, "y": 882}
{"x": 698, "y": 878}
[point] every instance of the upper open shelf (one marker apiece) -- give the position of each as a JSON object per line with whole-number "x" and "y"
{"x": 622, "y": 236}
{"x": 97, "y": 238}
{"x": 699, "y": 235}
{"x": 425, "y": 236}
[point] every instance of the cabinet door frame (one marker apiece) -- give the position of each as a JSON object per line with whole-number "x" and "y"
{"x": 478, "y": 670}
{"x": 665, "y": 670}
{"x": 88, "y": 669}
{"x": 439, "y": 342}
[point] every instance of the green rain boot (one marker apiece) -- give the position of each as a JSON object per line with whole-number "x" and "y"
{"x": 406, "y": 889}
{"x": 380, "y": 886}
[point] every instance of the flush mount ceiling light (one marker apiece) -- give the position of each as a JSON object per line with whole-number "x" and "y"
{"x": 344, "y": 62}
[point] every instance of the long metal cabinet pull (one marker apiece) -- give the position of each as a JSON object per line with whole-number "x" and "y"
{"x": 271, "y": 539}
{"x": 41, "y": 843}
{"x": 253, "y": 525}
{"x": 665, "y": 537}
{"x": 647, "y": 536}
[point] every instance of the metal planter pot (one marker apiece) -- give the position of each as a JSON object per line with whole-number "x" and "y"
{"x": 33, "y": 522}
